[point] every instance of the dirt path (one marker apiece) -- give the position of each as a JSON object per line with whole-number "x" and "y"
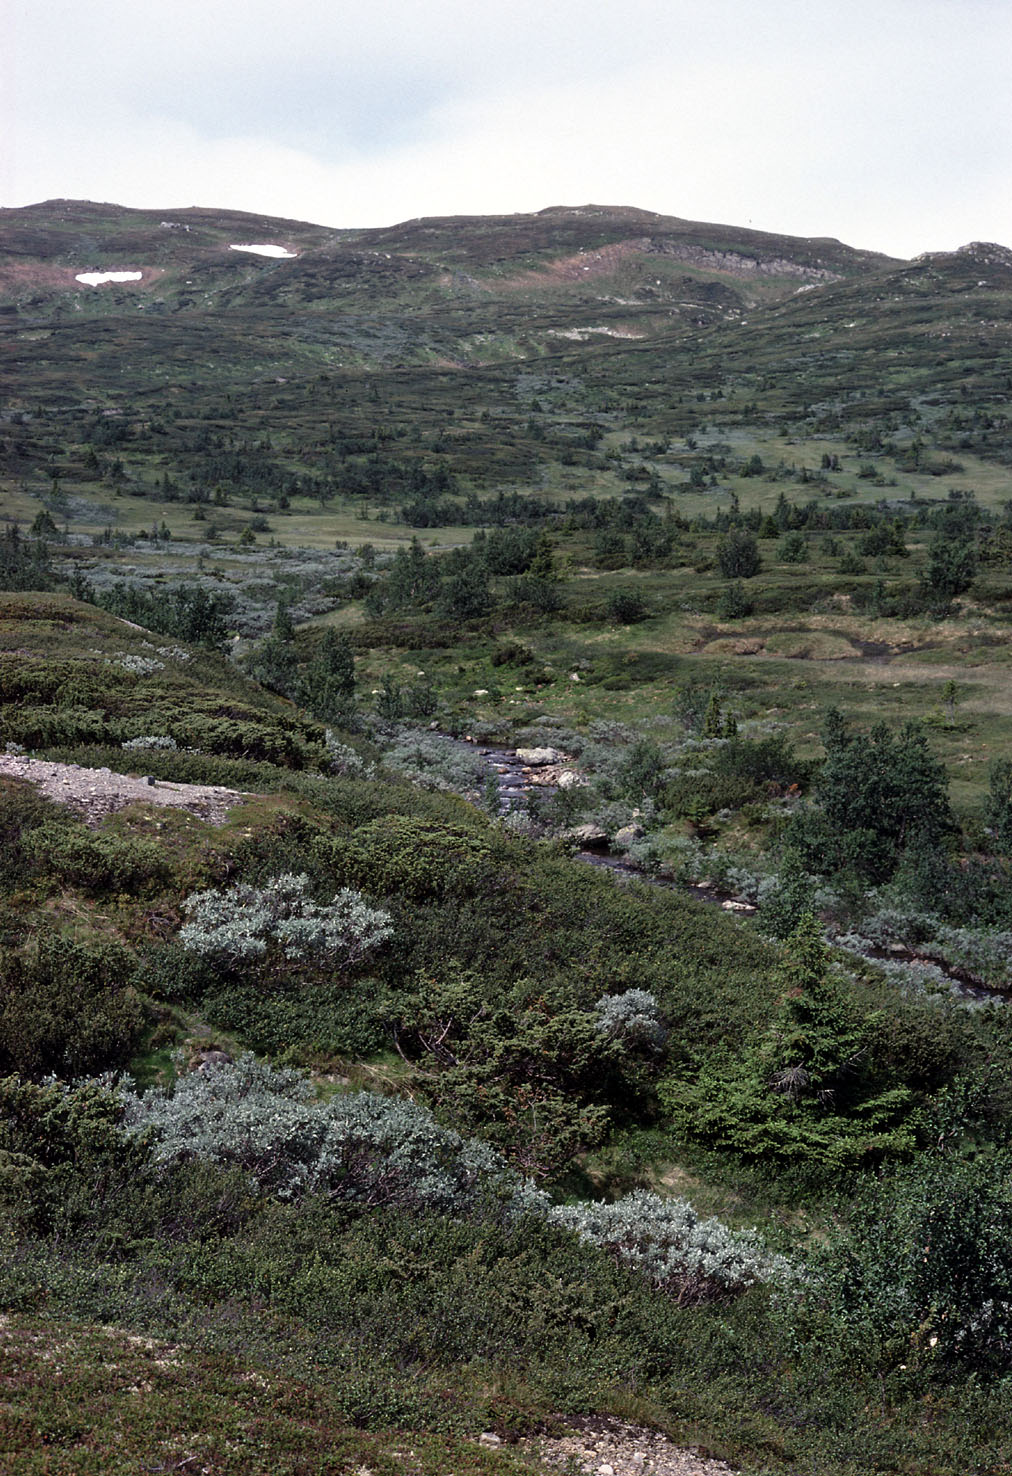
{"x": 98, "y": 792}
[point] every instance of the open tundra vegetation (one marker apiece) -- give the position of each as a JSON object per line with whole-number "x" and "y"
{"x": 348, "y": 1114}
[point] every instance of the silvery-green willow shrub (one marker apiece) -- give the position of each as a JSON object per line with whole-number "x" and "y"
{"x": 360, "y": 1147}
{"x": 690, "y": 1259}
{"x": 435, "y": 762}
{"x": 375, "y": 1151}
{"x": 241, "y": 924}
{"x": 633, "y": 1017}
{"x": 344, "y": 760}
{"x": 152, "y": 741}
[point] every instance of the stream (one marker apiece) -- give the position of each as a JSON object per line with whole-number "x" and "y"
{"x": 516, "y": 784}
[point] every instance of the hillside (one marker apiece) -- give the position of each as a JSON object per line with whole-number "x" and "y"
{"x": 505, "y": 847}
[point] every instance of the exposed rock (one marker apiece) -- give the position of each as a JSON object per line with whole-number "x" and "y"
{"x": 550, "y": 776}
{"x": 626, "y": 834}
{"x": 587, "y": 836}
{"x": 605, "y": 1447}
{"x": 98, "y": 792}
{"x": 537, "y": 758}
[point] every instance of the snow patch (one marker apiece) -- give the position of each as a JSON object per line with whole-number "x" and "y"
{"x": 278, "y": 251}
{"x": 96, "y": 279}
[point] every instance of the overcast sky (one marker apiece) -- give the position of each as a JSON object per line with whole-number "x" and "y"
{"x": 886, "y": 123}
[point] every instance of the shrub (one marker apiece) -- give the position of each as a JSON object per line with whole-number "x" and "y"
{"x": 738, "y": 555}
{"x": 246, "y": 924}
{"x": 626, "y": 607}
{"x": 418, "y": 858}
{"x": 67, "y": 1010}
{"x": 24, "y": 563}
{"x": 998, "y": 805}
{"x": 783, "y": 904}
{"x": 887, "y": 787}
{"x": 373, "y": 1151}
{"x": 734, "y": 604}
{"x": 432, "y": 760}
{"x": 793, "y": 549}
{"x": 23, "y": 811}
{"x": 184, "y": 611}
{"x": 61, "y": 1151}
{"x": 50, "y": 727}
{"x": 952, "y": 564}
{"x": 367, "y": 1149}
{"x": 97, "y": 863}
{"x": 345, "y": 760}
{"x": 247, "y": 738}
{"x": 326, "y": 685}
{"x": 924, "y": 1273}
{"x": 689, "y": 1259}
{"x": 149, "y": 741}
{"x": 632, "y": 1017}
{"x": 806, "y": 1091}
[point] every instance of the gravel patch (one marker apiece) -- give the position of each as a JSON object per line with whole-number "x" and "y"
{"x": 606, "y": 1447}
{"x": 97, "y": 792}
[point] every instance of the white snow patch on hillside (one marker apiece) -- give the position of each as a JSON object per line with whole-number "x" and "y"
{"x": 95, "y": 279}
{"x": 278, "y": 251}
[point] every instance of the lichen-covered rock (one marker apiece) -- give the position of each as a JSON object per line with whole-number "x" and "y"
{"x": 538, "y": 758}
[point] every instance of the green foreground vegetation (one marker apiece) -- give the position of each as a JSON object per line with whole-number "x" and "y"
{"x": 371, "y": 1117}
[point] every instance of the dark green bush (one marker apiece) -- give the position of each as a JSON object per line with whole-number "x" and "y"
{"x": 51, "y": 727}
{"x": 95, "y": 862}
{"x": 883, "y": 784}
{"x": 808, "y": 1092}
{"x": 738, "y": 555}
{"x": 317, "y": 1023}
{"x": 184, "y": 611}
{"x": 263, "y": 741}
{"x": 923, "y": 1274}
{"x": 67, "y": 1009}
{"x": 734, "y": 604}
{"x": 23, "y": 811}
{"x": 417, "y": 858}
{"x": 626, "y": 607}
{"x": 761, "y": 761}
{"x": 24, "y": 562}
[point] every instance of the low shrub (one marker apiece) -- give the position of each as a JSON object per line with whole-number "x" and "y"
{"x": 280, "y": 924}
{"x": 632, "y": 1017}
{"x": 414, "y": 857}
{"x": 689, "y": 1259}
{"x": 67, "y": 1009}
{"x": 96, "y": 863}
{"x": 51, "y": 727}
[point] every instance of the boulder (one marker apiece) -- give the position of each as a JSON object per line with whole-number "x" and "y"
{"x": 568, "y": 779}
{"x": 538, "y": 758}
{"x": 588, "y": 836}
{"x": 626, "y": 834}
